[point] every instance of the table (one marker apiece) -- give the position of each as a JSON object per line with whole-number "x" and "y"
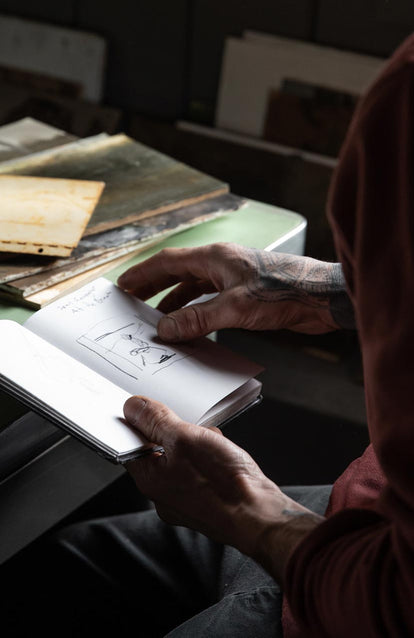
{"x": 58, "y": 481}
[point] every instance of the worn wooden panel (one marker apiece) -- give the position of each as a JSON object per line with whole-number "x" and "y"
{"x": 56, "y": 51}
{"x": 44, "y": 215}
{"x": 140, "y": 182}
{"x": 47, "y": 295}
{"x": 257, "y": 64}
{"x": 104, "y": 248}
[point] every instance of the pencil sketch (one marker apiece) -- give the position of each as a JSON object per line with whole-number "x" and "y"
{"x": 126, "y": 343}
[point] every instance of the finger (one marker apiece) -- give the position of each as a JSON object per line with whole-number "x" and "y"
{"x": 200, "y": 319}
{"x": 143, "y": 470}
{"x": 155, "y": 421}
{"x": 183, "y": 294}
{"x": 216, "y": 430}
{"x": 166, "y": 268}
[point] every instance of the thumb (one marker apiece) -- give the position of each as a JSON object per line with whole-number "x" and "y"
{"x": 155, "y": 421}
{"x": 198, "y": 320}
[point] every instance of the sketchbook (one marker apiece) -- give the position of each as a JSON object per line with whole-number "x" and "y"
{"x": 78, "y": 360}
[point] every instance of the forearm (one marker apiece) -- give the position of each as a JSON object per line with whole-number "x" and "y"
{"x": 340, "y": 305}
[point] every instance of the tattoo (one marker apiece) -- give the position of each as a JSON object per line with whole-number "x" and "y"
{"x": 282, "y": 277}
{"x": 340, "y": 304}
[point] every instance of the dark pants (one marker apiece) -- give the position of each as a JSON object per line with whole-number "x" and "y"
{"x": 133, "y": 575}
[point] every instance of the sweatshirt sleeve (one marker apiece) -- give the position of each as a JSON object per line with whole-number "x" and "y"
{"x": 344, "y": 580}
{"x": 354, "y": 575}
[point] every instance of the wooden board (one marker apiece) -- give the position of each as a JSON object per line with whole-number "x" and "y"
{"x": 309, "y": 117}
{"x": 27, "y": 135}
{"x": 140, "y": 182}
{"x": 47, "y": 295}
{"x": 59, "y": 52}
{"x": 258, "y": 63}
{"x": 45, "y": 215}
{"x": 104, "y": 248}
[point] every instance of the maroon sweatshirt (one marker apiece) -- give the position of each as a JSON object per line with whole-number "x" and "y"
{"x": 353, "y": 576}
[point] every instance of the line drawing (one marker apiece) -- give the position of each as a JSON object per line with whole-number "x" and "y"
{"x": 125, "y": 341}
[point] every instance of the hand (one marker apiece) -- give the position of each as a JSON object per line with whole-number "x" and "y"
{"x": 257, "y": 290}
{"x": 206, "y": 482}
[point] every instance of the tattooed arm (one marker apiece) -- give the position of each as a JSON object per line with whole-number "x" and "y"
{"x": 305, "y": 282}
{"x": 257, "y": 290}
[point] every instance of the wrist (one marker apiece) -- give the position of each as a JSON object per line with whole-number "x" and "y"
{"x": 279, "y": 541}
{"x": 274, "y": 530}
{"x": 340, "y": 304}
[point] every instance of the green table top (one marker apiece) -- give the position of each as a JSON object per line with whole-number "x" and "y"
{"x": 256, "y": 225}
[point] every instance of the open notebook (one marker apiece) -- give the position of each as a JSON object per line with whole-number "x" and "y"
{"x": 78, "y": 360}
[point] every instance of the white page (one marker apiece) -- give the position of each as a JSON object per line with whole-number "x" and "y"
{"x": 115, "y": 335}
{"x": 72, "y": 389}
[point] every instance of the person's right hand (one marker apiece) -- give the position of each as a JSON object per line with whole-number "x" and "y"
{"x": 257, "y": 290}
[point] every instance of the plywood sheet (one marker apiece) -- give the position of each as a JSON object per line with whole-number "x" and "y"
{"x": 47, "y": 295}
{"x": 45, "y": 215}
{"x": 140, "y": 182}
{"x": 25, "y": 276}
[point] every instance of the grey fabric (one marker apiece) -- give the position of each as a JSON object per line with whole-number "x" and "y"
{"x": 133, "y": 574}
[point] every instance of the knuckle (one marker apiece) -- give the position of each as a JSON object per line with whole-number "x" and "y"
{"x": 166, "y": 253}
{"x": 156, "y": 415}
{"x": 195, "y": 320}
{"x": 220, "y": 250}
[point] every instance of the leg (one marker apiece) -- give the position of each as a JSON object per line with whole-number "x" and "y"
{"x": 133, "y": 572}
{"x": 130, "y": 572}
{"x": 250, "y": 602}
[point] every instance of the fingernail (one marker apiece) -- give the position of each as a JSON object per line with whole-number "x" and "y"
{"x": 133, "y": 408}
{"x": 168, "y": 329}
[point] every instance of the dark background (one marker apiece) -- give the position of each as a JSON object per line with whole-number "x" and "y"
{"x": 163, "y": 65}
{"x": 164, "y": 57}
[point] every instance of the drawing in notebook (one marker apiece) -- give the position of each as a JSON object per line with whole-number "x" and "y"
{"x": 125, "y": 342}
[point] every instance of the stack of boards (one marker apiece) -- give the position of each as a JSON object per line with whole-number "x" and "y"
{"x": 75, "y": 210}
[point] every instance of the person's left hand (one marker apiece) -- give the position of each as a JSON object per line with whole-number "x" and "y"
{"x": 206, "y": 482}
